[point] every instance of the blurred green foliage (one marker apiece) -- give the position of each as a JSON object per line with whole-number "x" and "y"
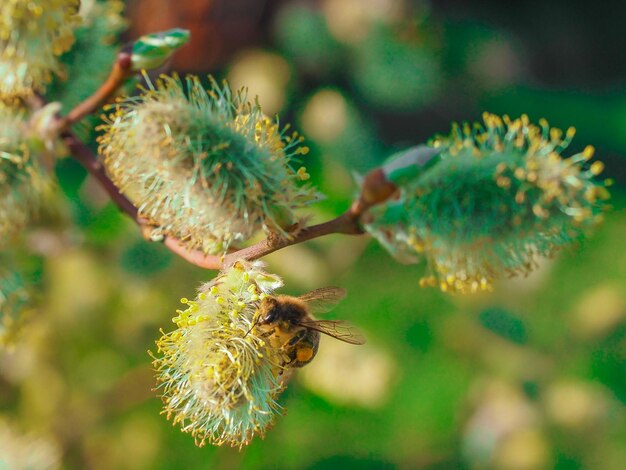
{"x": 531, "y": 376}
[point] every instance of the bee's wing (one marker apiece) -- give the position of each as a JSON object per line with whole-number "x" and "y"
{"x": 323, "y": 300}
{"x": 338, "y": 329}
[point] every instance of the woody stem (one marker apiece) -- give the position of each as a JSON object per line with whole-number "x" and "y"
{"x": 347, "y": 223}
{"x": 119, "y": 73}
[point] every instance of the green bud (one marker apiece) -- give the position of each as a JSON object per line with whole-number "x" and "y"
{"x": 153, "y": 50}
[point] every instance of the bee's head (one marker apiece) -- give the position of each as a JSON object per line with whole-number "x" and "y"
{"x": 269, "y": 310}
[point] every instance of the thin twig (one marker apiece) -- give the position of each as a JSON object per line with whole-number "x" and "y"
{"x": 90, "y": 162}
{"x": 119, "y": 73}
{"x": 347, "y": 223}
{"x": 375, "y": 189}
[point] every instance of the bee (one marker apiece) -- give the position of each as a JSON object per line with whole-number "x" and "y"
{"x": 289, "y": 324}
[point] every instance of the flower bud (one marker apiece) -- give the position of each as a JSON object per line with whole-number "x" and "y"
{"x": 498, "y": 197}
{"x": 206, "y": 167}
{"x": 153, "y": 50}
{"x": 219, "y": 380}
{"x": 32, "y": 35}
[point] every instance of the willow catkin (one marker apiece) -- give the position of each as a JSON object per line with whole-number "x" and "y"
{"x": 205, "y": 166}
{"x": 500, "y": 196}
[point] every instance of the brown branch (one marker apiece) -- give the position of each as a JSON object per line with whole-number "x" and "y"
{"x": 119, "y": 73}
{"x": 347, "y": 223}
{"x": 376, "y": 188}
{"x": 90, "y": 162}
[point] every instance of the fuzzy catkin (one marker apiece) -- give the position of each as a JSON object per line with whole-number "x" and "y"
{"x": 22, "y": 181}
{"x": 204, "y": 166}
{"x": 500, "y": 197}
{"x": 219, "y": 380}
{"x": 33, "y": 34}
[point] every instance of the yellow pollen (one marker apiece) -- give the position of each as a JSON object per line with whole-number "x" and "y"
{"x": 588, "y": 152}
{"x": 302, "y": 174}
{"x": 596, "y": 168}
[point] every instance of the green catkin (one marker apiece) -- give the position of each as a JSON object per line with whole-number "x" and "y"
{"x": 33, "y": 34}
{"x": 218, "y": 379}
{"x": 22, "y": 181}
{"x": 500, "y": 197}
{"x": 205, "y": 166}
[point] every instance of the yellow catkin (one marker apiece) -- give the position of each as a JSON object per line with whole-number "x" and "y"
{"x": 33, "y": 34}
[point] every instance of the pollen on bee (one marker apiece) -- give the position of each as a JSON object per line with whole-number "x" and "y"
{"x": 304, "y": 354}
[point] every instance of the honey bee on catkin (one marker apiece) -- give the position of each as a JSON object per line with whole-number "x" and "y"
{"x": 288, "y": 324}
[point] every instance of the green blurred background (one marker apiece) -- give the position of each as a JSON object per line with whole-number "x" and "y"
{"x": 531, "y": 376}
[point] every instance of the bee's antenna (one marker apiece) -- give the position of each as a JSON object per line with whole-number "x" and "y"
{"x": 251, "y": 328}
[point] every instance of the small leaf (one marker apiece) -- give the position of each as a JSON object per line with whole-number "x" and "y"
{"x": 153, "y": 50}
